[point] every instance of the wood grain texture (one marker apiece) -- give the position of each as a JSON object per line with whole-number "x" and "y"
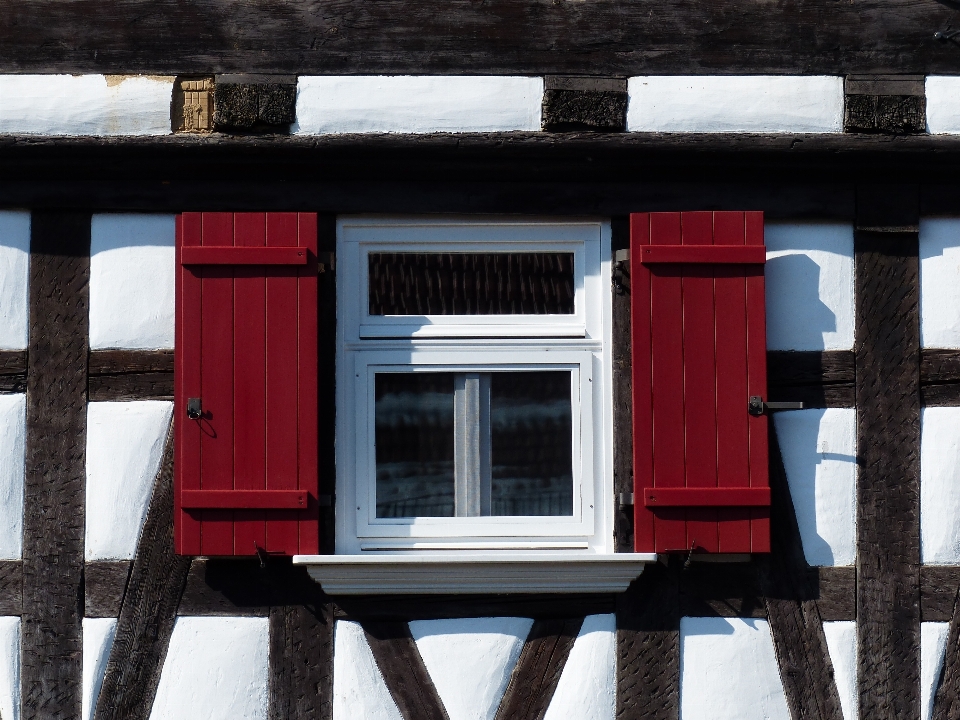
{"x": 946, "y": 704}
{"x": 940, "y": 395}
{"x": 817, "y": 379}
{"x": 940, "y": 377}
{"x": 789, "y": 587}
{"x": 104, "y": 583}
{"x": 131, "y": 386}
{"x": 938, "y": 592}
{"x": 11, "y": 587}
{"x": 612, "y": 37}
{"x": 404, "y": 671}
{"x": 837, "y": 593}
{"x": 438, "y": 607}
{"x": 13, "y": 370}
{"x": 648, "y": 645}
{"x": 149, "y": 609}
{"x": 537, "y": 672}
{"x": 888, "y": 456}
{"x": 121, "y": 362}
{"x": 53, "y": 523}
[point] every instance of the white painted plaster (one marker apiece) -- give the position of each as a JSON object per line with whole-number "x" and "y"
{"x": 132, "y": 277}
{"x": 124, "y": 447}
{"x": 10, "y": 668}
{"x": 14, "y": 277}
{"x": 820, "y": 457}
{"x": 729, "y": 103}
{"x": 933, "y": 648}
{"x": 587, "y": 689}
{"x": 85, "y": 104}
{"x": 728, "y": 671}
{"x": 13, "y": 421}
{"x": 98, "y": 634}
{"x": 359, "y": 690}
{"x": 842, "y": 643}
{"x": 417, "y": 104}
{"x": 940, "y": 282}
{"x": 470, "y": 660}
{"x": 809, "y": 286}
{"x": 943, "y": 104}
{"x": 216, "y": 669}
{"x": 939, "y": 486}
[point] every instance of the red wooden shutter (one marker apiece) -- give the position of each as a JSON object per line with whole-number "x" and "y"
{"x": 699, "y": 353}
{"x": 246, "y": 469}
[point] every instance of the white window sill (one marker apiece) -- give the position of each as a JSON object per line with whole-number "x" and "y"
{"x": 434, "y": 573}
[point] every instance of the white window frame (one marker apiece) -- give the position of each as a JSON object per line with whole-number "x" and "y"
{"x": 579, "y": 343}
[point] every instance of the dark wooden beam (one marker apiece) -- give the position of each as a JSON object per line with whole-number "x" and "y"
{"x": 11, "y": 587}
{"x": 149, "y": 609}
{"x": 611, "y": 37}
{"x": 946, "y": 704}
{"x": 13, "y": 370}
{"x": 227, "y": 587}
{"x": 404, "y": 671}
{"x": 104, "y": 583}
{"x": 131, "y": 375}
{"x": 938, "y": 592}
{"x": 53, "y": 518}
{"x": 888, "y": 455}
{"x": 537, "y": 672}
{"x": 622, "y": 349}
{"x": 437, "y": 607}
{"x": 817, "y": 379}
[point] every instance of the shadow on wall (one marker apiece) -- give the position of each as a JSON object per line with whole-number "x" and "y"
{"x": 797, "y": 318}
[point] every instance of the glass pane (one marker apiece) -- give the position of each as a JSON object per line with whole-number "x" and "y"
{"x": 471, "y": 283}
{"x": 414, "y": 444}
{"x": 531, "y": 443}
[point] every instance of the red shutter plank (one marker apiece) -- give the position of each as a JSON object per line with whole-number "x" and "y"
{"x": 702, "y": 253}
{"x": 704, "y": 497}
{"x": 244, "y": 500}
{"x": 292, "y": 255}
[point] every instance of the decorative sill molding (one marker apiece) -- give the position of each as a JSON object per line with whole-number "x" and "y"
{"x": 428, "y": 574}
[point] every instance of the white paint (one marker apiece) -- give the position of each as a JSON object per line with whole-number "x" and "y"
{"x": 728, "y": 103}
{"x": 216, "y": 668}
{"x": 98, "y": 634}
{"x": 943, "y": 104}
{"x": 940, "y": 282}
{"x": 933, "y": 649}
{"x": 417, "y": 104}
{"x": 124, "y": 448}
{"x": 939, "y": 489}
{"x": 470, "y": 660}
{"x": 85, "y": 104}
{"x": 132, "y": 276}
{"x": 587, "y": 689}
{"x": 842, "y": 643}
{"x": 14, "y": 277}
{"x": 729, "y": 671}
{"x": 13, "y": 430}
{"x": 10, "y": 668}
{"x": 820, "y": 457}
{"x": 359, "y": 690}
{"x": 809, "y": 286}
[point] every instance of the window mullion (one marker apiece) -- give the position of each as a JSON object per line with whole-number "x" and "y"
{"x": 472, "y": 444}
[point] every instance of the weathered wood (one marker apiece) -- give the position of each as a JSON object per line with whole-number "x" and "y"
{"x": 149, "y": 609}
{"x": 815, "y": 396}
{"x": 537, "y": 672}
{"x": 11, "y": 587}
{"x": 810, "y": 368}
{"x": 120, "y": 362}
{"x": 227, "y": 587}
{"x": 404, "y": 671}
{"x": 612, "y": 37}
{"x": 648, "y": 645}
{"x": 939, "y": 366}
{"x": 938, "y": 592}
{"x": 940, "y": 395}
{"x": 946, "y": 704}
{"x": 53, "y": 518}
{"x": 104, "y": 583}
{"x": 837, "y": 593}
{"x": 888, "y": 455}
{"x": 437, "y": 607}
{"x": 13, "y": 370}
{"x": 721, "y": 589}
{"x": 131, "y": 386}
{"x": 622, "y": 390}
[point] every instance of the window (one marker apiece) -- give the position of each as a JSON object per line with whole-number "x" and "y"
{"x": 473, "y": 385}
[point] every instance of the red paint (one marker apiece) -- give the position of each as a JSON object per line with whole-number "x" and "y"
{"x": 246, "y": 471}
{"x": 699, "y": 352}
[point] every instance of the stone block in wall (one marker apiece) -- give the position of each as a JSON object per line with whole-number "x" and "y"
{"x": 192, "y": 110}
{"x": 254, "y": 102}
{"x": 583, "y": 103}
{"x": 892, "y": 104}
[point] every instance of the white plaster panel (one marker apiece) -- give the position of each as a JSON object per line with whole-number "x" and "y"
{"x": 842, "y": 643}
{"x": 728, "y": 671}
{"x": 98, "y": 634}
{"x": 470, "y": 660}
{"x": 730, "y": 103}
{"x": 10, "y": 668}
{"x": 820, "y": 458}
{"x": 14, "y": 276}
{"x": 359, "y": 690}
{"x": 940, "y": 282}
{"x": 939, "y": 485}
{"x": 933, "y": 648}
{"x": 809, "y": 286}
{"x": 216, "y": 668}
{"x": 124, "y": 448}
{"x": 85, "y": 104}
{"x": 13, "y": 430}
{"x": 417, "y": 104}
{"x": 587, "y": 689}
{"x": 943, "y": 104}
{"x": 132, "y": 281}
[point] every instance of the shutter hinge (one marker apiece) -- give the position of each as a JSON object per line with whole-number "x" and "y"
{"x": 621, "y": 272}
{"x": 626, "y": 499}
{"x": 756, "y": 405}
{"x": 326, "y": 261}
